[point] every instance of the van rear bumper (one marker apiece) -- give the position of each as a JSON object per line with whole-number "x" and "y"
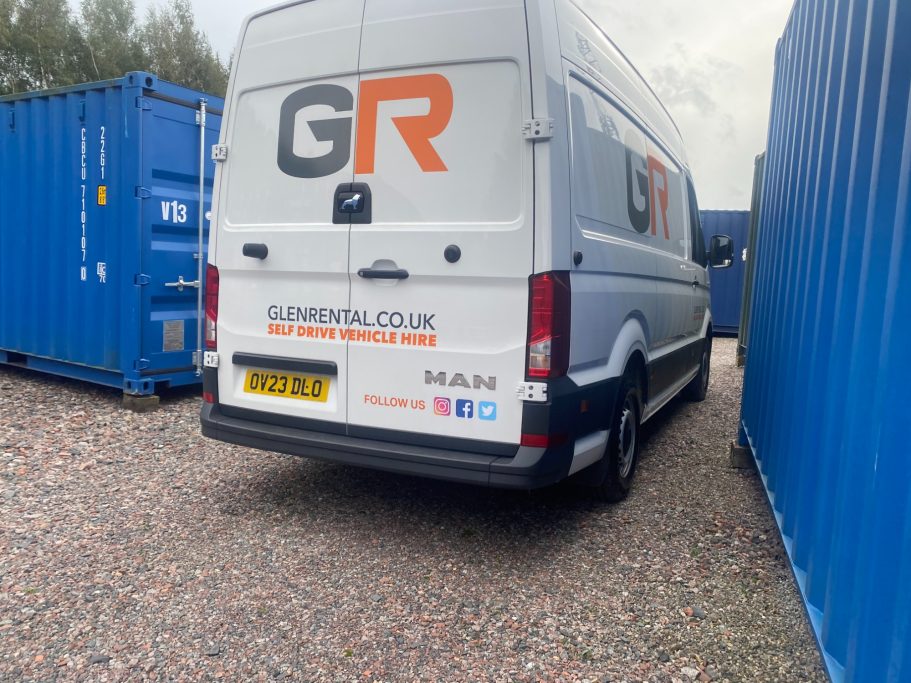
{"x": 528, "y": 468}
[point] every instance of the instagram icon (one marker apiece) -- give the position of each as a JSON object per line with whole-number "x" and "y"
{"x": 442, "y": 406}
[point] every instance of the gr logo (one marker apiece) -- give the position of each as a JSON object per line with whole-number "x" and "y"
{"x": 416, "y": 131}
{"x": 646, "y": 183}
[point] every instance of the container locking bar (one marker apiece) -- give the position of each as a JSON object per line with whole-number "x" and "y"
{"x": 181, "y": 283}
{"x": 200, "y": 313}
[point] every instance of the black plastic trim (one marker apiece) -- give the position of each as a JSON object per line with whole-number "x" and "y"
{"x": 502, "y": 450}
{"x": 438, "y": 463}
{"x": 210, "y": 382}
{"x": 572, "y": 410}
{"x": 570, "y": 413}
{"x": 665, "y": 371}
{"x": 277, "y": 420}
{"x": 322, "y": 367}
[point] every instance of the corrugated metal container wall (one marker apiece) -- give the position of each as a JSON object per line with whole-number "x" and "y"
{"x": 827, "y": 396}
{"x": 727, "y": 283}
{"x": 99, "y": 216}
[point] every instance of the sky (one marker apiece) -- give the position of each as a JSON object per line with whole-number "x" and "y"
{"x": 709, "y": 61}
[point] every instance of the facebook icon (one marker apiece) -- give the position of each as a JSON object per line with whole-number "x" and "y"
{"x": 464, "y": 408}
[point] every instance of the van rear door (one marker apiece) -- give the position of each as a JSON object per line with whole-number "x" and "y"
{"x": 440, "y": 273}
{"x": 288, "y": 140}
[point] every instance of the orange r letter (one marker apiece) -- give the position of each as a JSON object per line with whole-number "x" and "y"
{"x": 657, "y": 170}
{"x": 416, "y": 131}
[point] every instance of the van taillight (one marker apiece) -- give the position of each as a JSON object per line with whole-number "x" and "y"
{"x": 211, "y": 305}
{"x": 548, "y": 325}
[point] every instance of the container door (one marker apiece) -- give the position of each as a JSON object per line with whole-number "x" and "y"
{"x": 284, "y": 308}
{"x": 440, "y": 269}
{"x": 170, "y": 223}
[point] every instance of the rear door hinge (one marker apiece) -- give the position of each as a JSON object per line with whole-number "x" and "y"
{"x": 219, "y": 152}
{"x": 535, "y": 392}
{"x": 143, "y": 103}
{"x": 143, "y": 192}
{"x": 141, "y": 364}
{"x": 538, "y": 129}
{"x": 141, "y": 279}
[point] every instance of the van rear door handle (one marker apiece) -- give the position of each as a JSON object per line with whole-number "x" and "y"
{"x": 380, "y": 274}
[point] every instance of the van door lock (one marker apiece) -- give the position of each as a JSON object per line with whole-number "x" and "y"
{"x": 352, "y": 204}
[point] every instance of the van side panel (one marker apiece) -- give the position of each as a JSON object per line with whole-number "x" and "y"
{"x": 629, "y": 213}
{"x": 616, "y": 279}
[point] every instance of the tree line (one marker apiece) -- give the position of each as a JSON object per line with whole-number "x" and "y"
{"x": 46, "y": 44}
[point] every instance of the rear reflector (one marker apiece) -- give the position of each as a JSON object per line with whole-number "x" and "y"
{"x": 543, "y": 440}
{"x": 211, "y": 307}
{"x": 208, "y": 397}
{"x": 548, "y": 325}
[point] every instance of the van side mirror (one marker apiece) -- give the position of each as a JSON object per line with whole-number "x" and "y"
{"x": 721, "y": 251}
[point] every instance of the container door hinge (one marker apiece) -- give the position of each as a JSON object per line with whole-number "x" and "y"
{"x": 141, "y": 364}
{"x": 143, "y": 103}
{"x": 141, "y": 279}
{"x": 219, "y": 152}
{"x": 538, "y": 129}
{"x": 143, "y": 192}
{"x": 12, "y": 119}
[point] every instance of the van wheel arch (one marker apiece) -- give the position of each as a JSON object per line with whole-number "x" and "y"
{"x": 613, "y": 475}
{"x": 636, "y": 368}
{"x": 697, "y": 389}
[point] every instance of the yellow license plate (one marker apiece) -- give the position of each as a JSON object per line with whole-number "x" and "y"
{"x": 287, "y": 385}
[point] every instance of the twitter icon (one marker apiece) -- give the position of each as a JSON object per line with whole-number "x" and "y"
{"x": 487, "y": 410}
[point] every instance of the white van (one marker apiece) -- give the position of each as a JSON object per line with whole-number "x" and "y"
{"x": 453, "y": 238}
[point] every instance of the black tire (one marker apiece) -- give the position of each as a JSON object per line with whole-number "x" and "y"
{"x": 699, "y": 386}
{"x": 618, "y": 467}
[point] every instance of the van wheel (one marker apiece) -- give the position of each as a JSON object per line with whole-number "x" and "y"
{"x": 699, "y": 385}
{"x": 622, "y": 452}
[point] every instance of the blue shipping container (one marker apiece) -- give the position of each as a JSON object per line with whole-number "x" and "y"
{"x": 827, "y": 395}
{"x": 99, "y": 224}
{"x": 727, "y": 283}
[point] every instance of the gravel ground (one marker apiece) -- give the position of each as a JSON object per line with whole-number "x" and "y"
{"x": 132, "y": 549}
